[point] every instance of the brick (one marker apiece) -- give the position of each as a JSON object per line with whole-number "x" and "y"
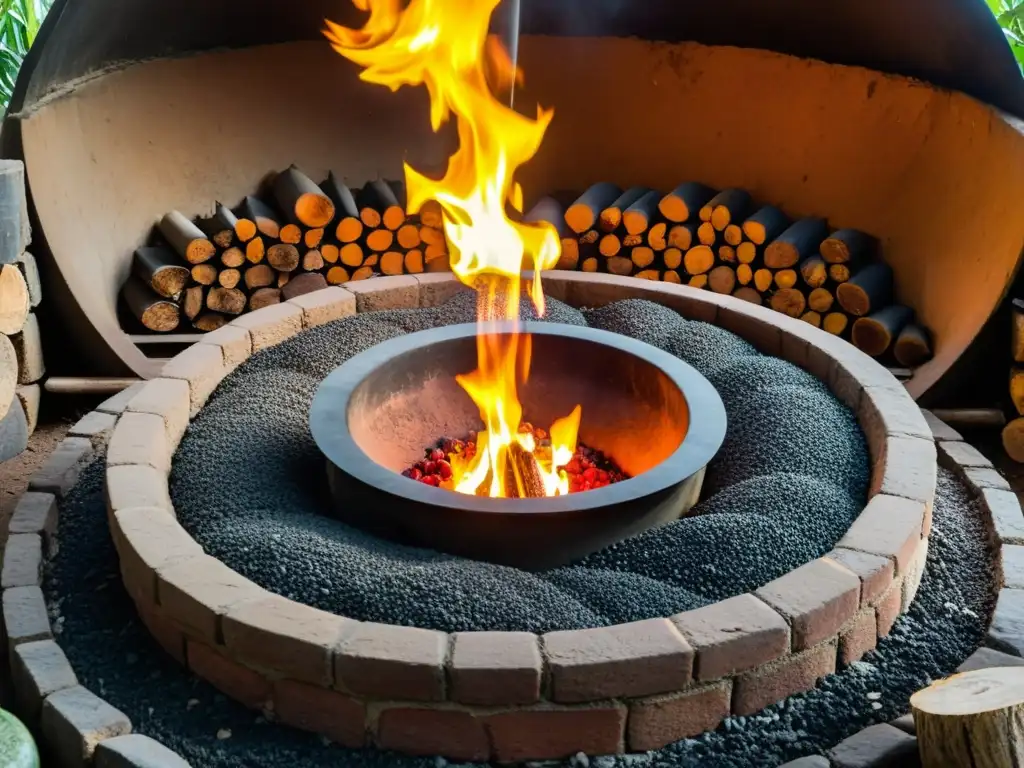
{"x": 227, "y": 675}
{"x": 36, "y": 513}
{"x": 907, "y": 469}
{"x": 28, "y": 346}
{"x": 117, "y": 403}
{"x": 398, "y": 292}
{"x": 133, "y": 486}
{"x": 762, "y": 687}
{"x": 149, "y": 540}
{"x": 30, "y": 395}
{"x": 1006, "y": 632}
{"x": 271, "y": 325}
{"x": 550, "y": 733}
{"x": 1013, "y": 566}
{"x": 876, "y": 573}
{"x": 877, "y": 746}
{"x": 325, "y": 306}
{"x": 495, "y": 668}
{"x": 859, "y": 638}
{"x": 291, "y": 639}
{"x": 962, "y": 454}
{"x": 981, "y": 479}
{"x": 448, "y": 732}
{"x": 329, "y": 713}
{"x": 748, "y": 323}
{"x": 817, "y": 598}
{"x": 25, "y": 617}
{"x": 915, "y": 572}
{"x": 636, "y": 659}
{"x": 235, "y": 344}
{"x": 733, "y": 636}
{"x": 987, "y": 658}
{"x": 940, "y": 429}
{"x": 387, "y": 661}
{"x": 890, "y": 410}
{"x": 660, "y": 720}
{"x": 852, "y": 373}
{"x": 198, "y": 591}
{"x": 438, "y": 287}
{"x": 203, "y": 367}
{"x": 165, "y": 632}
{"x": 38, "y": 669}
{"x": 94, "y": 424}
{"x": 140, "y": 438}
{"x": 168, "y": 399}
{"x": 890, "y": 527}
{"x": 23, "y": 561}
{"x": 888, "y": 608}
{"x": 136, "y": 751}
{"x": 75, "y": 720}
{"x": 1007, "y": 518}
{"x": 59, "y": 473}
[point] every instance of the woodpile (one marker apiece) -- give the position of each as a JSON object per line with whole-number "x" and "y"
{"x": 724, "y": 241}
{"x": 1013, "y": 432}
{"x": 21, "y": 351}
{"x": 296, "y": 236}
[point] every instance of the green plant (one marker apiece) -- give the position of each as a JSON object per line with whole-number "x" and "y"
{"x": 1010, "y": 15}
{"x": 19, "y": 24}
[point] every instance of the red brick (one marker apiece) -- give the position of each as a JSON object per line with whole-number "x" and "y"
{"x": 227, "y": 676}
{"x": 495, "y": 668}
{"x": 875, "y": 572}
{"x": 166, "y": 633}
{"x": 888, "y": 608}
{"x": 334, "y": 715}
{"x": 450, "y": 733}
{"x": 859, "y": 638}
{"x": 758, "y": 689}
{"x": 387, "y": 661}
{"x": 817, "y": 598}
{"x": 549, "y": 733}
{"x": 890, "y": 527}
{"x": 660, "y": 720}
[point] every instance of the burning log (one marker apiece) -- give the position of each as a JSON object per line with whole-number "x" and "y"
{"x": 283, "y": 257}
{"x": 186, "y": 238}
{"x": 193, "y": 302}
{"x": 209, "y": 321}
{"x": 875, "y": 333}
{"x": 698, "y": 260}
{"x": 795, "y": 244}
{"x": 638, "y": 216}
{"x": 583, "y": 214}
{"x": 155, "y": 312}
{"x": 722, "y": 279}
{"x": 378, "y": 205}
{"x": 259, "y": 276}
{"x": 233, "y": 258}
{"x": 813, "y": 271}
{"x": 846, "y": 245}
{"x": 262, "y": 215}
{"x": 748, "y": 294}
{"x": 913, "y": 346}
{"x": 681, "y": 236}
{"x": 685, "y": 201}
{"x": 820, "y": 300}
{"x": 867, "y": 291}
{"x": 221, "y": 227}
{"x": 835, "y": 323}
{"x": 350, "y": 226}
{"x": 610, "y": 217}
{"x": 229, "y": 278}
{"x": 230, "y": 301}
{"x": 431, "y": 214}
{"x": 789, "y": 301}
{"x": 255, "y": 250}
{"x": 765, "y": 225}
{"x": 727, "y": 206}
{"x": 204, "y": 274}
{"x": 304, "y": 283}
{"x": 161, "y": 269}
{"x": 302, "y": 200}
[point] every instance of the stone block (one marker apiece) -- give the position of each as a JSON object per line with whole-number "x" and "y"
{"x": 38, "y": 669}
{"x": 134, "y": 485}
{"x": 905, "y": 724}
{"x": 93, "y": 425}
{"x": 149, "y": 540}
{"x": 940, "y": 429}
{"x": 877, "y": 746}
{"x": 859, "y": 638}
{"x": 235, "y": 344}
{"x": 203, "y": 367}
{"x": 30, "y": 396}
{"x": 641, "y": 658}
{"x": 762, "y": 687}
{"x": 25, "y": 617}
{"x": 329, "y": 713}
{"x": 961, "y": 454}
{"x": 398, "y": 292}
{"x": 271, "y": 325}
{"x": 228, "y": 676}
{"x": 325, "y": 306}
{"x": 981, "y": 479}
{"x": 75, "y": 720}
{"x": 170, "y": 400}
{"x": 915, "y": 572}
{"x": 452, "y": 733}
{"x": 438, "y": 287}
{"x": 890, "y": 527}
{"x": 817, "y": 598}
{"x": 140, "y": 438}
{"x": 28, "y": 346}
{"x": 197, "y": 592}
{"x": 1013, "y": 566}
{"x": 136, "y": 751}
{"x": 60, "y": 472}
{"x": 1006, "y": 632}
{"x": 495, "y": 668}
{"x": 23, "y": 561}
{"x": 30, "y": 271}
{"x": 117, "y": 403}
{"x": 986, "y": 658}
{"x": 890, "y": 410}
{"x": 907, "y": 468}
{"x": 1007, "y": 518}
{"x": 13, "y": 428}
{"x": 549, "y": 733}
{"x": 733, "y": 636}
{"x": 660, "y": 720}
{"x": 36, "y": 513}
{"x": 387, "y": 661}
{"x": 876, "y": 573}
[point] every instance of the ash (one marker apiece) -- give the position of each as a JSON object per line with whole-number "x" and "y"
{"x": 249, "y": 484}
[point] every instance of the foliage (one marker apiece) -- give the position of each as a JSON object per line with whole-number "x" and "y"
{"x": 19, "y": 24}
{"x": 1010, "y": 15}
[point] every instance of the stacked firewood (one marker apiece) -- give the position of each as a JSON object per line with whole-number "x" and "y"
{"x": 724, "y": 242}
{"x": 297, "y": 238}
{"x": 1013, "y": 432}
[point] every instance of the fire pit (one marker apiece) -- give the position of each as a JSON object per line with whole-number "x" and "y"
{"x": 658, "y": 418}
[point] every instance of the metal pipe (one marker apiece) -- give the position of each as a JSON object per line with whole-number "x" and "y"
{"x": 83, "y": 385}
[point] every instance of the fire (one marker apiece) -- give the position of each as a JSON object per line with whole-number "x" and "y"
{"x": 444, "y": 45}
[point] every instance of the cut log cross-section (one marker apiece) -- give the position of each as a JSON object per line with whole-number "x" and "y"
{"x": 14, "y": 299}
{"x": 867, "y": 291}
{"x": 349, "y": 227}
{"x": 685, "y": 201}
{"x": 155, "y": 312}
{"x": 765, "y": 225}
{"x": 799, "y": 241}
{"x": 639, "y": 215}
{"x": 301, "y": 199}
{"x": 160, "y": 268}
{"x": 728, "y": 206}
{"x": 221, "y": 228}
{"x": 583, "y": 213}
{"x": 610, "y": 217}
{"x": 262, "y": 215}
{"x": 875, "y": 333}
{"x": 379, "y": 196}
{"x": 186, "y": 238}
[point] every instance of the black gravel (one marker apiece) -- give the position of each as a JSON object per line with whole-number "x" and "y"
{"x": 114, "y": 656}
{"x": 248, "y": 483}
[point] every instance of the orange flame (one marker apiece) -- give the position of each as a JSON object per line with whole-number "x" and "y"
{"x": 444, "y": 45}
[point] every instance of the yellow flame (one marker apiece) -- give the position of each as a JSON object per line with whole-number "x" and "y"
{"x": 445, "y": 45}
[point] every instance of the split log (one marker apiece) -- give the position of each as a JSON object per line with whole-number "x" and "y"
{"x": 795, "y": 244}
{"x": 408, "y": 236}
{"x": 722, "y": 279}
{"x": 233, "y": 258}
{"x": 642, "y": 256}
{"x": 1013, "y": 440}
{"x": 392, "y": 263}
{"x": 154, "y": 311}
{"x": 610, "y": 245}
{"x": 811, "y": 318}
{"x": 706, "y": 233}
{"x": 747, "y": 294}
{"x": 813, "y": 271}
{"x": 785, "y": 278}
{"x": 229, "y": 278}
{"x": 1017, "y": 330}
{"x": 186, "y": 238}
{"x": 836, "y": 323}
{"x": 620, "y": 265}
{"x": 681, "y": 236}
{"x": 349, "y": 227}
{"x": 193, "y": 302}
{"x": 867, "y": 291}
{"x": 330, "y": 253}
{"x": 255, "y": 250}
{"x": 259, "y": 276}
{"x": 312, "y": 238}
{"x": 351, "y": 255}
{"x": 283, "y": 257}
{"x": 672, "y": 257}
{"x": 671, "y": 276}
{"x": 589, "y": 265}
{"x": 744, "y": 275}
{"x": 209, "y": 321}
{"x": 847, "y": 245}
{"x": 971, "y": 720}
{"x": 161, "y": 269}
{"x": 312, "y": 260}
{"x": 262, "y": 215}
{"x": 264, "y": 297}
{"x": 913, "y": 346}
{"x": 657, "y": 236}
{"x": 610, "y": 217}
{"x": 685, "y": 201}
{"x": 698, "y": 281}
{"x": 746, "y": 252}
{"x": 302, "y": 200}
{"x": 230, "y": 301}
{"x": 875, "y": 333}
{"x": 204, "y": 274}
{"x": 569, "y": 257}
{"x": 304, "y": 283}
{"x": 648, "y": 274}
{"x": 379, "y": 196}
{"x": 337, "y": 275}
{"x": 727, "y": 254}
{"x": 820, "y": 300}
{"x": 763, "y": 279}
{"x": 380, "y": 239}
{"x": 583, "y": 213}
{"x": 698, "y": 260}
{"x": 765, "y": 225}
{"x": 363, "y": 273}
{"x": 291, "y": 234}
{"x": 637, "y": 218}
{"x": 631, "y": 241}
{"x": 789, "y": 301}
{"x": 221, "y": 227}
{"x": 414, "y": 261}
{"x": 733, "y": 234}
{"x": 727, "y": 206}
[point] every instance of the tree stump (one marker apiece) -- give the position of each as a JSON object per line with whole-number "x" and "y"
{"x": 972, "y": 720}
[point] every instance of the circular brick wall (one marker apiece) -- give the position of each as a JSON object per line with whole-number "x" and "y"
{"x": 516, "y": 695}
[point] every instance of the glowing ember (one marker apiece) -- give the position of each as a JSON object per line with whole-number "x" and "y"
{"x": 444, "y": 44}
